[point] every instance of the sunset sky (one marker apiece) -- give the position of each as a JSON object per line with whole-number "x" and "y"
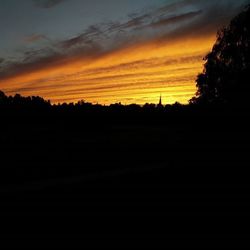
{"x": 107, "y": 51}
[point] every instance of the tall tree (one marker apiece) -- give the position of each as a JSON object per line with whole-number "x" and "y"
{"x": 225, "y": 77}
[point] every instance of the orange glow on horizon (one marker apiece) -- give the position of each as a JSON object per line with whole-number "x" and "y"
{"x": 136, "y": 74}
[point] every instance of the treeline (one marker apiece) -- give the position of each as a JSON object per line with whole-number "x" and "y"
{"x": 38, "y": 104}
{"x": 18, "y": 101}
{"x": 18, "y": 105}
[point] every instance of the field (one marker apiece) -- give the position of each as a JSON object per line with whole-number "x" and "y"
{"x": 137, "y": 177}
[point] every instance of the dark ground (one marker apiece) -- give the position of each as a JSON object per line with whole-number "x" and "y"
{"x": 180, "y": 179}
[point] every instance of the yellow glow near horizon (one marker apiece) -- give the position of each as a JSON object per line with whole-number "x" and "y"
{"x": 137, "y": 74}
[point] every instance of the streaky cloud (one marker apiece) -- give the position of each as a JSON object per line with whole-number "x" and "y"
{"x": 162, "y": 24}
{"x": 176, "y": 19}
{"x": 35, "y": 38}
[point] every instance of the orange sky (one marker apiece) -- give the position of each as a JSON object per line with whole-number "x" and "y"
{"x": 136, "y": 74}
{"x": 117, "y": 51}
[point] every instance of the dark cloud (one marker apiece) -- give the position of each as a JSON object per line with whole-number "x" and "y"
{"x": 176, "y": 19}
{"x": 75, "y": 41}
{"x": 210, "y": 16}
{"x": 133, "y": 30}
{"x": 46, "y": 4}
{"x": 46, "y": 58}
{"x": 136, "y": 21}
{"x": 1, "y": 63}
{"x": 173, "y": 21}
{"x": 30, "y": 62}
{"x": 170, "y": 8}
{"x": 87, "y": 39}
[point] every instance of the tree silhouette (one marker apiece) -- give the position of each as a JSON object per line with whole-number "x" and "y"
{"x": 3, "y": 97}
{"x": 225, "y": 78}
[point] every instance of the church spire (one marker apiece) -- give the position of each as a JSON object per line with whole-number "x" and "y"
{"x": 160, "y": 102}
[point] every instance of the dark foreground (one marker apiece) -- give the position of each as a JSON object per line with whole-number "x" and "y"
{"x": 178, "y": 179}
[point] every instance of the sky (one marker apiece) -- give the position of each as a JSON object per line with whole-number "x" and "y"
{"x": 108, "y": 51}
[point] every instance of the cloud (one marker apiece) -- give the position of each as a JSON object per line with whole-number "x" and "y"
{"x": 176, "y": 19}
{"x": 136, "y": 21}
{"x": 88, "y": 38}
{"x": 119, "y": 34}
{"x": 30, "y": 62}
{"x": 35, "y": 38}
{"x": 46, "y": 4}
{"x": 187, "y": 18}
{"x": 75, "y": 41}
{"x": 206, "y": 18}
{"x": 46, "y": 58}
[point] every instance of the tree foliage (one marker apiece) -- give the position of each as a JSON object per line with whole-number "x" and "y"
{"x": 225, "y": 78}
